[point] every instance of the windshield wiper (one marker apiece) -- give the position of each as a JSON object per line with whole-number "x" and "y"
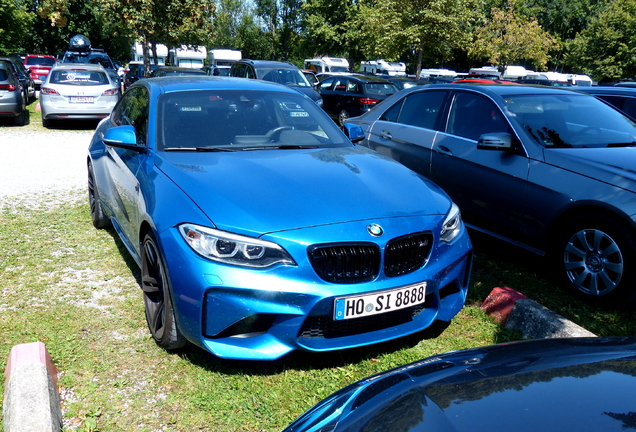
{"x": 200, "y": 149}
{"x": 280, "y": 147}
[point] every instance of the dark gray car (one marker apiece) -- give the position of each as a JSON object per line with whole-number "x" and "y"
{"x": 548, "y": 169}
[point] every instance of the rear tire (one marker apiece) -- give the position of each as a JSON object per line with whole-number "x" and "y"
{"x": 20, "y": 120}
{"x": 596, "y": 258}
{"x": 342, "y": 117}
{"x": 155, "y": 284}
{"x": 98, "y": 216}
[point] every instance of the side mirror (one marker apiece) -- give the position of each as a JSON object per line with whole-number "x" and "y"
{"x": 495, "y": 141}
{"x": 123, "y": 137}
{"x": 353, "y": 132}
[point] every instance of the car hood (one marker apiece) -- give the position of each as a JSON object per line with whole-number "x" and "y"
{"x": 257, "y": 192}
{"x": 547, "y": 385}
{"x": 615, "y": 165}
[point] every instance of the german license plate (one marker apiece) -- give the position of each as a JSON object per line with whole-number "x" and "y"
{"x": 378, "y": 303}
{"x": 81, "y": 99}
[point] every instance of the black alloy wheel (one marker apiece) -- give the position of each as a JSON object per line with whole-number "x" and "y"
{"x": 155, "y": 284}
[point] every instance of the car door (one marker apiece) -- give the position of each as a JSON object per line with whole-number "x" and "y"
{"x": 329, "y": 96}
{"x": 489, "y": 186}
{"x": 407, "y": 130}
{"x": 124, "y": 164}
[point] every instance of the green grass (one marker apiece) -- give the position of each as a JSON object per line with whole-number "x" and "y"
{"x": 74, "y": 288}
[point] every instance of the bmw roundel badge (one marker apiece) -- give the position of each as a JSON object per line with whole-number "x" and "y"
{"x": 375, "y": 230}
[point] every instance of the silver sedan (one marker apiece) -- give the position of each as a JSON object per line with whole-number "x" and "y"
{"x": 77, "y": 92}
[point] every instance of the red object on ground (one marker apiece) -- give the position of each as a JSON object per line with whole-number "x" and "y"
{"x": 500, "y": 302}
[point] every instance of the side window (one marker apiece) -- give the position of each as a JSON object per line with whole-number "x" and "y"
{"x": 422, "y": 109}
{"x": 391, "y": 115}
{"x": 132, "y": 110}
{"x": 473, "y": 115}
{"x": 625, "y": 104}
{"x": 249, "y": 72}
{"x": 326, "y": 84}
{"x": 341, "y": 84}
{"x": 353, "y": 87}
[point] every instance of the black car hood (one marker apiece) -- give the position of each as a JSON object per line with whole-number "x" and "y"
{"x": 586, "y": 384}
{"x": 615, "y": 166}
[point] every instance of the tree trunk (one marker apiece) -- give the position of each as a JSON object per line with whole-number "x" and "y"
{"x": 418, "y": 71}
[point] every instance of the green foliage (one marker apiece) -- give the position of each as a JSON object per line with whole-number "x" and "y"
{"x": 15, "y": 23}
{"x": 332, "y": 29}
{"x": 606, "y": 49}
{"x": 507, "y": 38}
{"x": 392, "y": 27}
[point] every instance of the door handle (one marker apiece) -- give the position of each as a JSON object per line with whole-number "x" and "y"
{"x": 386, "y": 135}
{"x": 444, "y": 150}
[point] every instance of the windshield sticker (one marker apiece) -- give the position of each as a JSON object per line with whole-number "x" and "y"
{"x": 190, "y": 109}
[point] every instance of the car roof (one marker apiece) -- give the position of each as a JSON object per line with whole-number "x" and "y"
{"x": 205, "y": 82}
{"x": 75, "y": 66}
{"x": 269, "y": 64}
{"x": 364, "y": 78}
{"x": 607, "y": 90}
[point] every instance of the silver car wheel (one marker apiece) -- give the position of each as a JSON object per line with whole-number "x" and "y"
{"x": 593, "y": 262}
{"x": 342, "y": 117}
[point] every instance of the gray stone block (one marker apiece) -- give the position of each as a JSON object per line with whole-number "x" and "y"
{"x": 534, "y": 321}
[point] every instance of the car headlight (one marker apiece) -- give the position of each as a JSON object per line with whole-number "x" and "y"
{"x": 452, "y": 225}
{"x": 234, "y": 249}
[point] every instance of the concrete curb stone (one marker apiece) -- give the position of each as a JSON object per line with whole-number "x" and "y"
{"x": 31, "y": 400}
{"x": 515, "y": 311}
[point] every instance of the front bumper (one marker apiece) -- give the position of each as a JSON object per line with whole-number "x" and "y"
{"x": 264, "y": 314}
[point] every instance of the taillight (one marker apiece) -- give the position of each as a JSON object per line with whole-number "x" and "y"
{"x": 48, "y": 91}
{"x": 110, "y": 92}
{"x": 368, "y": 101}
{"x": 10, "y": 87}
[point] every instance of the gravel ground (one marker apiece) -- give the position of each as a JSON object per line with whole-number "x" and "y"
{"x": 42, "y": 168}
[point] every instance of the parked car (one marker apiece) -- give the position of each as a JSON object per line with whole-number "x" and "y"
{"x": 550, "y": 385}
{"x": 81, "y": 52}
{"x": 260, "y": 229}
{"x": 176, "y": 71}
{"x": 22, "y": 75}
{"x": 39, "y": 66}
{"x": 77, "y": 92}
{"x": 279, "y": 72}
{"x": 620, "y": 97}
{"x": 405, "y": 82}
{"x": 216, "y": 70}
{"x": 548, "y": 169}
{"x": 311, "y": 76}
{"x": 135, "y": 71}
{"x": 352, "y": 95}
{"x": 12, "y": 101}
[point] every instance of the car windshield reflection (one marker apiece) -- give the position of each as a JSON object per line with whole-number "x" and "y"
{"x": 575, "y": 121}
{"x": 242, "y": 120}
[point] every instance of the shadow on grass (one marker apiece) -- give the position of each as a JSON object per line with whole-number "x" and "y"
{"x": 303, "y": 360}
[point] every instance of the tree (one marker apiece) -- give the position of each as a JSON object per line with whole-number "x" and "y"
{"x": 506, "y": 38}
{"x": 333, "y": 29}
{"x": 15, "y": 23}
{"x": 607, "y": 48}
{"x": 393, "y": 27}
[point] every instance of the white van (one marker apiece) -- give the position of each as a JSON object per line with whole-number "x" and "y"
{"x": 327, "y": 64}
{"x": 383, "y": 67}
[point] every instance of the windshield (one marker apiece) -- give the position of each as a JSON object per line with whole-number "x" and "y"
{"x": 575, "y": 120}
{"x": 78, "y": 77}
{"x": 39, "y": 61}
{"x": 289, "y": 77}
{"x": 231, "y": 120}
{"x": 380, "y": 89}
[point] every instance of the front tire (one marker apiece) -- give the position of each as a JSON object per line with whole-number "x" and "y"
{"x": 155, "y": 284}
{"x": 597, "y": 260}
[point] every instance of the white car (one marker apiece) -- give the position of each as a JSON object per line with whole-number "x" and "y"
{"x": 78, "y": 92}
